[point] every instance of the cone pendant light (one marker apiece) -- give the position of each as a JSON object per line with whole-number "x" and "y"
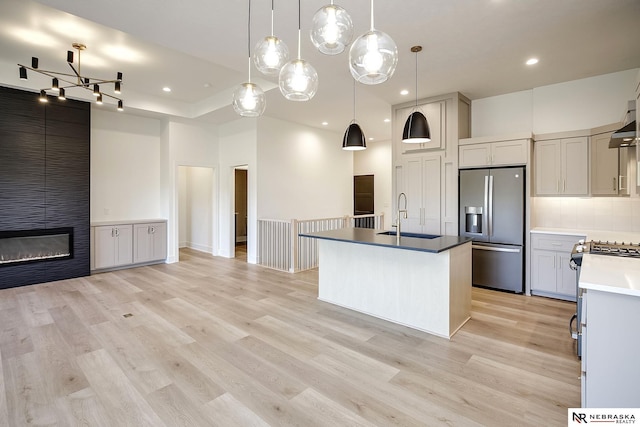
{"x": 416, "y": 128}
{"x": 354, "y": 139}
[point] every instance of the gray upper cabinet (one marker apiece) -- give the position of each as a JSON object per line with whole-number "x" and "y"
{"x": 608, "y": 167}
{"x": 562, "y": 167}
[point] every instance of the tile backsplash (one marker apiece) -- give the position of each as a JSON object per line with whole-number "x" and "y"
{"x": 589, "y": 213}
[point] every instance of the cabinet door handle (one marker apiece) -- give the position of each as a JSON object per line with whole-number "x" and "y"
{"x": 615, "y": 187}
{"x": 620, "y": 181}
{"x": 152, "y": 230}
{"x": 117, "y": 232}
{"x": 558, "y": 186}
{"x": 564, "y": 185}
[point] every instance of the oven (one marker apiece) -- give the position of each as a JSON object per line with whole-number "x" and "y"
{"x": 593, "y": 248}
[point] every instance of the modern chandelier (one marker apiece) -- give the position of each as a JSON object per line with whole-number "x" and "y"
{"x": 331, "y": 29}
{"x": 248, "y": 98}
{"x": 373, "y": 56}
{"x": 298, "y": 79}
{"x": 271, "y": 53}
{"x": 60, "y": 82}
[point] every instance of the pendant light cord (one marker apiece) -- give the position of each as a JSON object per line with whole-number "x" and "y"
{"x": 272, "y": 18}
{"x": 354, "y": 100}
{"x": 416, "y": 79}
{"x": 299, "y": 29}
{"x": 249, "y": 40}
{"x": 372, "y": 28}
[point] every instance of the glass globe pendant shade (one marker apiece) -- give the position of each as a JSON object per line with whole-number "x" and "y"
{"x": 353, "y": 139}
{"x": 249, "y": 100}
{"x": 416, "y": 129}
{"x": 331, "y": 29}
{"x": 270, "y": 54}
{"x": 373, "y": 58}
{"x": 298, "y": 80}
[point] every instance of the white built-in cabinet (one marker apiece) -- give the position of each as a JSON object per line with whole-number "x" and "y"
{"x": 551, "y": 274}
{"x": 427, "y": 172}
{"x": 503, "y": 153}
{"x": 113, "y": 246}
{"x": 422, "y": 176}
{"x": 121, "y": 244}
{"x": 149, "y": 242}
{"x": 562, "y": 166}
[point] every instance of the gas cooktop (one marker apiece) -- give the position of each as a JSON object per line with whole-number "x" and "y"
{"x": 609, "y": 248}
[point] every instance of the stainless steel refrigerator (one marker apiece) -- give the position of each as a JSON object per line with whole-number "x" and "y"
{"x": 492, "y": 207}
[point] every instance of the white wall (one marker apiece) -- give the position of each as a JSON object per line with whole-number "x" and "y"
{"x": 376, "y": 160}
{"x": 303, "y": 172}
{"x": 187, "y": 144}
{"x": 196, "y": 195}
{"x": 125, "y": 166}
{"x": 574, "y": 105}
{"x": 596, "y": 213}
{"x": 237, "y": 148}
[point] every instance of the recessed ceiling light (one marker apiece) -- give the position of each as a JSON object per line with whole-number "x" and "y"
{"x": 387, "y": 120}
{"x": 370, "y": 138}
{"x": 166, "y": 89}
{"x": 404, "y": 92}
{"x": 325, "y": 123}
{"x": 532, "y": 61}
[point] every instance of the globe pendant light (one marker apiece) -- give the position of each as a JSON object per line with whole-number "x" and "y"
{"x": 270, "y": 53}
{"x": 331, "y": 29}
{"x": 353, "y": 139}
{"x": 373, "y": 56}
{"x": 248, "y": 98}
{"x": 298, "y": 79}
{"x": 416, "y": 128}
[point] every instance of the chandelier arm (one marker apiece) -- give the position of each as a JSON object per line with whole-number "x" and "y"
{"x": 75, "y": 71}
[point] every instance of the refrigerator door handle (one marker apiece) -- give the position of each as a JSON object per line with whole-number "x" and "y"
{"x": 494, "y": 249}
{"x": 490, "y": 207}
{"x": 485, "y": 217}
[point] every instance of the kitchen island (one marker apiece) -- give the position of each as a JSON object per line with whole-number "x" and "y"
{"x": 423, "y": 282}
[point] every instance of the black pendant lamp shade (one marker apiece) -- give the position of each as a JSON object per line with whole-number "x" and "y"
{"x": 416, "y": 129}
{"x": 353, "y": 138}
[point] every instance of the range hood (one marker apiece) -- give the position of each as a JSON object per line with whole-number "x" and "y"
{"x": 626, "y": 135}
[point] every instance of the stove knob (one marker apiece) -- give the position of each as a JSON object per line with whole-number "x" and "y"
{"x": 581, "y": 242}
{"x": 579, "y": 249}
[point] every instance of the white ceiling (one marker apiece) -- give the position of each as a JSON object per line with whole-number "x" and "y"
{"x": 199, "y": 49}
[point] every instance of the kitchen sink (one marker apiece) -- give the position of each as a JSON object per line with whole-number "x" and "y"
{"x": 416, "y": 235}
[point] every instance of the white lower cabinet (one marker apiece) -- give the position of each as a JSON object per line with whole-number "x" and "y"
{"x": 150, "y": 242}
{"x": 551, "y": 274}
{"x": 121, "y": 244}
{"x": 113, "y": 246}
{"x": 610, "y": 347}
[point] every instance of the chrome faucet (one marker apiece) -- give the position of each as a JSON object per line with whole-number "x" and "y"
{"x": 400, "y": 211}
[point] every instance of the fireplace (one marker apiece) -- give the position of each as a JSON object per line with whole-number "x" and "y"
{"x": 29, "y": 246}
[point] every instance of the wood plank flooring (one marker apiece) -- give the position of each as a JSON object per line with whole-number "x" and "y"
{"x": 218, "y": 342}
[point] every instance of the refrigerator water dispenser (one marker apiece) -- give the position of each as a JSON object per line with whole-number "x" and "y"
{"x": 473, "y": 220}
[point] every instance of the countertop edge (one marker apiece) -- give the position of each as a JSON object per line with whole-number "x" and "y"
{"x": 442, "y": 248}
{"x": 126, "y": 221}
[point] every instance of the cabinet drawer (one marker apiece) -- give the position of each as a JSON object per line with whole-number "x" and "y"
{"x": 554, "y": 242}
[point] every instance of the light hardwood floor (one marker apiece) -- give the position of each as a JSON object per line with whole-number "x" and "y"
{"x": 218, "y": 342}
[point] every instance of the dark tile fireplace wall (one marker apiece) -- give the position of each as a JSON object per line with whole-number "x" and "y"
{"x": 44, "y": 179}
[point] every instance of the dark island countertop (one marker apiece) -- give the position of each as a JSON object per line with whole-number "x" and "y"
{"x": 408, "y": 241}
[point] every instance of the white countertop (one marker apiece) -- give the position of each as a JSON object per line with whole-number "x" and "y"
{"x": 126, "y": 221}
{"x": 604, "y": 235}
{"x": 604, "y": 273}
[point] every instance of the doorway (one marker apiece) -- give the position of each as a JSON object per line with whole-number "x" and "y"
{"x": 196, "y": 211}
{"x": 363, "y": 197}
{"x": 240, "y": 211}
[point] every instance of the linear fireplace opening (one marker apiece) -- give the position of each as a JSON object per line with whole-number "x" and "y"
{"x": 26, "y": 246}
